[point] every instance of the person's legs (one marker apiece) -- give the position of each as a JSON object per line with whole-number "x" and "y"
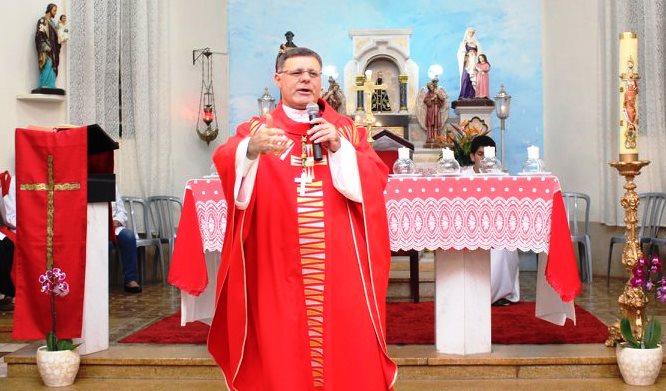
{"x": 504, "y": 276}
{"x": 6, "y": 262}
{"x": 127, "y": 244}
{"x": 6, "y": 285}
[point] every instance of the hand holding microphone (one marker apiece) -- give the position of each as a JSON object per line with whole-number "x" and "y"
{"x": 321, "y": 131}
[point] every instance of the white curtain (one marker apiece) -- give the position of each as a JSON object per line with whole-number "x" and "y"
{"x": 648, "y": 20}
{"x": 93, "y": 64}
{"x": 129, "y": 42}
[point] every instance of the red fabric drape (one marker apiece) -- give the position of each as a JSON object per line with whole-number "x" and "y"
{"x": 188, "y": 265}
{"x": 5, "y": 180}
{"x": 561, "y": 271}
{"x": 68, "y": 149}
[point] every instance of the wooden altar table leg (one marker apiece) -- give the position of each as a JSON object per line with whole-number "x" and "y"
{"x": 462, "y": 301}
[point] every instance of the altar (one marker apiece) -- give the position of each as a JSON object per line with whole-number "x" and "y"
{"x": 461, "y": 218}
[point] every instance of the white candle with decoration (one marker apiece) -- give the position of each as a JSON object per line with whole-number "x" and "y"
{"x": 628, "y": 135}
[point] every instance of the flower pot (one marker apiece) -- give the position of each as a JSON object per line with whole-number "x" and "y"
{"x": 58, "y": 368}
{"x": 639, "y": 367}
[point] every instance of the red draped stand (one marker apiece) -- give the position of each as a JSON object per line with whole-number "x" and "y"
{"x": 60, "y": 173}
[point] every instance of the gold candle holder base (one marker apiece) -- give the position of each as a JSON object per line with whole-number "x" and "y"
{"x": 633, "y": 300}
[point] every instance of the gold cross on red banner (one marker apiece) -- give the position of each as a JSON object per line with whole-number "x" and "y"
{"x": 50, "y": 187}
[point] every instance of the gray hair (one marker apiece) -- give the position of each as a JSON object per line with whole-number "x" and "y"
{"x": 296, "y": 52}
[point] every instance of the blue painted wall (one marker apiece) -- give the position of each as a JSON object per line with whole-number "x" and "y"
{"x": 509, "y": 32}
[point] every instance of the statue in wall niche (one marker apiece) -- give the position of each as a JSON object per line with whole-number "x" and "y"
{"x": 468, "y": 52}
{"x": 334, "y": 96}
{"x": 48, "y": 52}
{"x": 380, "y": 98}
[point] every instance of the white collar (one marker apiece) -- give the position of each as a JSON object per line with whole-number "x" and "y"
{"x": 296, "y": 114}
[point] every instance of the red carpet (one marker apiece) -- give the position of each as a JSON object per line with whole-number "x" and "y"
{"x": 413, "y": 323}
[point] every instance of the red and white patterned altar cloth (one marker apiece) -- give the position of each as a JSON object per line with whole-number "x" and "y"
{"x": 487, "y": 212}
{"x": 465, "y": 212}
{"x": 500, "y": 212}
{"x": 211, "y": 211}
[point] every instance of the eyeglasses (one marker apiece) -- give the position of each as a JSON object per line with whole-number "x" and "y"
{"x": 297, "y": 73}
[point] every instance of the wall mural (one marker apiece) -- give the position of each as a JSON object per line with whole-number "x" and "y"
{"x": 508, "y": 33}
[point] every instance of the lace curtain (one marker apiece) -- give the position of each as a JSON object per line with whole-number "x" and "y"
{"x": 128, "y": 41}
{"x": 648, "y": 19}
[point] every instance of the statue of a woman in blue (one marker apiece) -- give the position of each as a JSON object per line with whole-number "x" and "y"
{"x": 48, "y": 51}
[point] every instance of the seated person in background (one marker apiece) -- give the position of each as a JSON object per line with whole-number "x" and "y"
{"x": 126, "y": 241}
{"x": 7, "y": 238}
{"x": 504, "y": 271}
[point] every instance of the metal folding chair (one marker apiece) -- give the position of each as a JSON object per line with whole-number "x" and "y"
{"x": 577, "y": 204}
{"x": 650, "y": 211}
{"x": 166, "y": 210}
{"x": 140, "y": 221}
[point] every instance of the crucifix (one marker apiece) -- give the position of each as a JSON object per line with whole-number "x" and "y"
{"x": 306, "y": 160}
{"x": 364, "y": 89}
{"x": 50, "y": 187}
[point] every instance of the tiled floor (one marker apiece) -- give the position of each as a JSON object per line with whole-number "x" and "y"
{"x": 131, "y": 312}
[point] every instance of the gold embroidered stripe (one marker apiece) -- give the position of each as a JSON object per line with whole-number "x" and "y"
{"x": 312, "y": 249}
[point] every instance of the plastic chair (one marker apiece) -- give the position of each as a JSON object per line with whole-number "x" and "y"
{"x": 574, "y": 203}
{"x": 139, "y": 220}
{"x": 650, "y": 210}
{"x": 166, "y": 210}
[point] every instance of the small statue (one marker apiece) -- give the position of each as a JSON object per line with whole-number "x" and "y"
{"x": 63, "y": 30}
{"x": 48, "y": 51}
{"x": 482, "y": 77}
{"x": 334, "y": 96}
{"x": 467, "y": 58}
{"x": 289, "y": 44}
{"x": 432, "y": 112}
{"x": 380, "y": 98}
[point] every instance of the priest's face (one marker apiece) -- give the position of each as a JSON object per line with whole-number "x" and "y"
{"x": 299, "y": 81}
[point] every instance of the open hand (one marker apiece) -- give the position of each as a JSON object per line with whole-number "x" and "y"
{"x": 267, "y": 140}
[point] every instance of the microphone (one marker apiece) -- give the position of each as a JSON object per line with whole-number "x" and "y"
{"x": 313, "y": 112}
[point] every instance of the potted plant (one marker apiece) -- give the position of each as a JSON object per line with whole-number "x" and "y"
{"x": 640, "y": 357}
{"x": 58, "y": 361}
{"x": 460, "y": 139}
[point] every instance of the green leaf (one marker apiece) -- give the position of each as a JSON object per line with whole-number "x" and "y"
{"x": 51, "y": 342}
{"x": 652, "y": 334}
{"x": 625, "y": 329}
{"x": 65, "y": 344}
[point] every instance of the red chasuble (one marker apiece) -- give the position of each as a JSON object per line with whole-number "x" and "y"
{"x": 304, "y": 271}
{"x": 50, "y": 164}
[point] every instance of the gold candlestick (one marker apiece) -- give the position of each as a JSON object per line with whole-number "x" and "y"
{"x": 633, "y": 300}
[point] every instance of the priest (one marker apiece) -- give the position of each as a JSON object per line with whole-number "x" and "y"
{"x": 304, "y": 271}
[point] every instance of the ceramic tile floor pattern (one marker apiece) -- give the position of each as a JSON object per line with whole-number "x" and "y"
{"x": 131, "y": 312}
